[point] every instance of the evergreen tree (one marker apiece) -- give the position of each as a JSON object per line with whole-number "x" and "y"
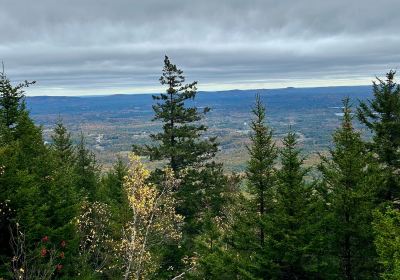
{"x": 112, "y": 192}
{"x": 350, "y": 181}
{"x": 87, "y": 170}
{"x": 23, "y": 151}
{"x": 382, "y": 116}
{"x": 386, "y": 227}
{"x": 189, "y": 154}
{"x": 113, "y": 183}
{"x": 183, "y": 144}
{"x": 289, "y": 221}
{"x": 64, "y": 195}
{"x": 261, "y": 177}
{"x": 260, "y": 168}
{"x": 62, "y": 145}
{"x": 225, "y": 239}
{"x": 12, "y": 103}
{"x": 180, "y": 141}
{"x": 26, "y": 171}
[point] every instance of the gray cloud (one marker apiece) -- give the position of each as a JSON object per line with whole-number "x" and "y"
{"x": 99, "y": 46}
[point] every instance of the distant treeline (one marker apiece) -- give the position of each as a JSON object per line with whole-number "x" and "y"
{"x": 62, "y": 218}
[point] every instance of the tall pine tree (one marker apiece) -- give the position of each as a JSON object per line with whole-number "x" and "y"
{"x": 12, "y": 104}
{"x": 181, "y": 140}
{"x": 289, "y": 220}
{"x": 26, "y": 170}
{"x": 387, "y": 231}
{"x": 261, "y": 173}
{"x": 182, "y": 143}
{"x": 350, "y": 181}
{"x": 382, "y": 116}
{"x": 112, "y": 191}
{"x": 86, "y": 169}
{"x": 261, "y": 178}
{"x": 62, "y": 145}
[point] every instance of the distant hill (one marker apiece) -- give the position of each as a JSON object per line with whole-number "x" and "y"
{"x": 114, "y": 122}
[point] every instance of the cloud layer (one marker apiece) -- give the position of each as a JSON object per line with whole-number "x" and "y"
{"x": 98, "y": 46}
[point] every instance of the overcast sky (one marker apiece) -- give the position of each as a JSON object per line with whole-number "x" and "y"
{"x": 75, "y": 47}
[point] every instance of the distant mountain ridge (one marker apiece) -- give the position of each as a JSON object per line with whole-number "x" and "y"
{"x": 60, "y": 104}
{"x": 112, "y": 123}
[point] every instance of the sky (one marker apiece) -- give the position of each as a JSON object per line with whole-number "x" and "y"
{"x": 92, "y": 47}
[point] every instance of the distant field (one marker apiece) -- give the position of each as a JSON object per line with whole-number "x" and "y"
{"x": 113, "y": 123}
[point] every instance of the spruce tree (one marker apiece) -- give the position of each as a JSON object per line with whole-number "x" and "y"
{"x": 260, "y": 168}
{"x": 62, "y": 145}
{"x": 289, "y": 221}
{"x": 261, "y": 180}
{"x": 64, "y": 196}
{"x": 181, "y": 140}
{"x": 86, "y": 169}
{"x": 229, "y": 247}
{"x": 113, "y": 183}
{"x": 387, "y": 231}
{"x": 112, "y": 191}
{"x": 26, "y": 170}
{"x": 350, "y": 181}
{"x": 12, "y": 103}
{"x": 382, "y": 116}
{"x": 24, "y": 152}
{"x": 183, "y": 145}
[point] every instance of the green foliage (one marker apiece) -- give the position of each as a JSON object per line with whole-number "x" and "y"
{"x": 217, "y": 245}
{"x": 289, "y": 221}
{"x": 86, "y": 169}
{"x": 38, "y": 181}
{"x": 382, "y": 116}
{"x": 22, "y": 158}
{"x": 112, "y": 184}
{"x": 261, "y": 168}
{"x": 350, "y": 184}
{"x": 112, "y": 193}
{"x": 12, "y": 104}
{"x": 182, "y": 144}
{"x": 60, "y": 220}
{"x": 261, "y": 178}
{"x": 386, "y": 227}
{"x": 180, "y": 141}
{"x": 62, "y": 146}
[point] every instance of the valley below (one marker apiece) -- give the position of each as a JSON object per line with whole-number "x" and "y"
{"x": 112, "y": 123}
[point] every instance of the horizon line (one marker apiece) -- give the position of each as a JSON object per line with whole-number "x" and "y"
{"x": 199, "y": 91}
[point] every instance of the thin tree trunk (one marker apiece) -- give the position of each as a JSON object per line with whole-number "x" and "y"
{"x": 262, "y": 210}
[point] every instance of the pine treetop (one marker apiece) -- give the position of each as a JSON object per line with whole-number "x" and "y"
{"x": 291, "y": 174}
{"x": 382, "y": 116}
{"x": 12, "y": 104}
{"x": 262, "y": 151}
{"x": 260, "y": 167}
{"x": 351, "y": 181}
{"x": 349, "y": 152}
{"x": 62, "y": 144}
{"x": 181, "y": 140}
